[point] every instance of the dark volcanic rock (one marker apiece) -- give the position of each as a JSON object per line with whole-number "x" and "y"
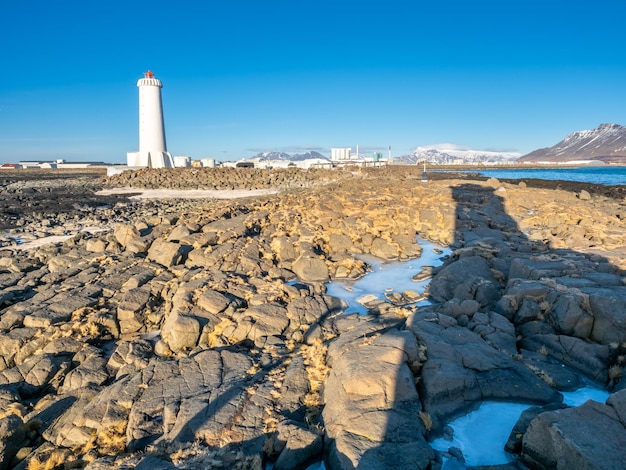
{"x": 372, "y": 406}
{"x": 592, "y": 360}
{"x": 463, "y": 370}
{"x": 12, "y": 438}
{"x": 469, "y": 278}
{"x": 589, "y": 436}
{"x": 607, "y": 306}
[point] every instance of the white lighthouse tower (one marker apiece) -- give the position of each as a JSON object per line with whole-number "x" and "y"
{"x": 152, "y": 149}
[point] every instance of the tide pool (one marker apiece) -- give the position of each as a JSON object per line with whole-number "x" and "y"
{"x": 482, "y": 434}
{"x": 386, "y": 277}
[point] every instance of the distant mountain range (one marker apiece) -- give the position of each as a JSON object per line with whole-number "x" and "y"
{"x": 443, "y": 154}
{"x": 285, "y": 156}
{"x": 607, "y": 143}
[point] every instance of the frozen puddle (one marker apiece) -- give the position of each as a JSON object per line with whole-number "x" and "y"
{"x": 386, "y": 277}
{"x": 482, "y": 434}
{"x": 580, "y": 396}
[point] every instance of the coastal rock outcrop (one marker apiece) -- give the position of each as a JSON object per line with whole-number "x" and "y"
{"x": 183, "y": 332}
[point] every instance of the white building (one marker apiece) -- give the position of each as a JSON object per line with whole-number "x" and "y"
{"x": 182, "y": 161}
{"x": 340, "y": 154}
{"x": 152, "y": 149}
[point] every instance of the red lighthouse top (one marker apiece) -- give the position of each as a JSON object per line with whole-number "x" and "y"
{"x": 148, "y": 74}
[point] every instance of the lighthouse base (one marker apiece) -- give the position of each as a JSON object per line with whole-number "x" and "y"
{"x": 150, "y": 159}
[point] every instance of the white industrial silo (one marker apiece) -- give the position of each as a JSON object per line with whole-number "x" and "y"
{"x": 182, "y": 162}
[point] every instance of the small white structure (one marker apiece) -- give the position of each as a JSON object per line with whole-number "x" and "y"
{"x": 340, "y": 154}
{"x": 208, "y": 162}
{"x": 152, "y": 149}
{"x": 182, "y": 162}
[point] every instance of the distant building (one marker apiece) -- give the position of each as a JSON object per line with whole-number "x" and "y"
{"x": 208, "y": 162}
{"x": 182, "y": 161}
{"x": 31, "y": 163}
{"x": 59, "y": 163}
{"x": 340, "y": 154}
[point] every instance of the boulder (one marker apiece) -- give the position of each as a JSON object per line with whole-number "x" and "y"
{"x": 96, "y": 245}
{"x": 179, "y": 233}
{"x": 607, "y": 306}
{"x": 514, "y": 442}
{"x": 384, "y": 249}
{"x": 300, "y": 445}
{"x": 311, "y": 309}
{"x": 284, "y": 249}
{"x": 259, "y": 322}
{"x": 371, "y": 404}
{"x": 553, "y": 372}
{"x": 195, "y": 397}
{"x": 12, "y": 342}
{"x": 12, "y": 438}
{"x": 60, "y": 263}
{"x": 165, "y": 253}
{"x": 131, "y": 310}
{"x": 465, "y": 279}
{"x": 139, "y": 279}
{"x": 409, "y": 248}
{"x": 180, "y": 331}
{"x": 125, "y": 234}
{"x": 213, "y": 301}
{"x": 571, "y": 317}
{"x": 526, "y": 268}
{"x": 294, "y": 389}
{"x": 590, "y": 359}
{"x": 589, "y": 436}
{"x": 91, "y": 371}
{"x": 130, "y": 355}
{"x": 339, "y": 243}
{"x": 37, "y": 373}
{"x": 310, "y": 269}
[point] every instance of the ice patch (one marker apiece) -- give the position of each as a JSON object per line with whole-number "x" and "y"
{"x": 386, "y": 277}
{"x": 580, "y": 396}
{"x": 482, "y": 434}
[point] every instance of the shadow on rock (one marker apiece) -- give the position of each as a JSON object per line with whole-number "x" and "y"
{"x": 517, "y": 321}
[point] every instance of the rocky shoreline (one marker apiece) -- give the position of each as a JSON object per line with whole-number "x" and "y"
{"x": 198, "y": 333}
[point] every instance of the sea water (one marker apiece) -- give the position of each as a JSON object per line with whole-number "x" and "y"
{"x": 606, "y": 175}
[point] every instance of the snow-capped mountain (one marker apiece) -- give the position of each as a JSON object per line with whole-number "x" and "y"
{"x": 272, "y": 156}
{"x": 607, "y": 143}
{"x": 286, "y": 156}
{"x": 443, "y": 154}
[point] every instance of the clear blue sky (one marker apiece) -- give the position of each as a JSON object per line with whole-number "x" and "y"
{"x": 246, "y": 76}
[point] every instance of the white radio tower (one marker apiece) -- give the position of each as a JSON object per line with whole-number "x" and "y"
{"x": 152, "y": 149}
